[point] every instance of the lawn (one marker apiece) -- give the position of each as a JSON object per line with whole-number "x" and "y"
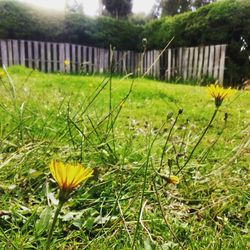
{"x": 135, "y": 134}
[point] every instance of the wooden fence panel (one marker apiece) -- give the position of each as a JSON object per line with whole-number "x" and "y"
{"x": 188, "y": 63}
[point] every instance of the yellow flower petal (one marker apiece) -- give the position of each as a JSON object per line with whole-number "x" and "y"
{"x": 218, "y": 93}
{"x": 69, "y": 176}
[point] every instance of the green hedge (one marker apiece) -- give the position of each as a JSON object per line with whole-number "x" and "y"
{"x": 224, "y": 22}
{"x": 20, "y": 21}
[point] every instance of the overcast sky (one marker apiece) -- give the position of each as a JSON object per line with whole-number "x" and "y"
{"x": 91, "y": 6}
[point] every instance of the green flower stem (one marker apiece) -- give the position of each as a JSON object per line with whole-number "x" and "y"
{"x": 198, "y": 142}
{"x": 59, "y": 207}
{"x": 166, "y": 142}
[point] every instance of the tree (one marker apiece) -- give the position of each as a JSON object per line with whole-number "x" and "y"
{"x": 73, "y": 6}
{"x": 172, "y": 7}
{"x": 117, "y": 8}
{"x": 199, "y": 3}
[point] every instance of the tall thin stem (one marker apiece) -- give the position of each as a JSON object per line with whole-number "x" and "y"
{"x": 59, "y": 207}
{"x": 169, "y": 134}
{"x": 198, "y": 142}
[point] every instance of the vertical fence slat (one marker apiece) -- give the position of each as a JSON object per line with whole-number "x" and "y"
{"x": 62, "y": 58}
{"x": 48, "y": 48}
{"x": 185, "y": 63}
{"x": 190, "y": 62}
{"x": 85, "y": 60}
{"x": 73, "y": 59}
{"x": 132, "y": 62}
{"x": 205, "y": 64}
{"x": 15, "y": 52}
{"x": 169, "y": 65}
{"x": 30, "y": 56}
{"x": 124, "y": 68}
{"x": 101, "y": 60}
{"x": 36, "y": 55}
{"x": 211, "y": 61}
{"x": 173, "y": 63}
{"x": 42, "y": 56}
{"x": 216, "y": 61}
{"x": 22, "y": 53}
{"x": 79, "y": 58}
{"x": 141, "y": 62}
{"x": 4, "y": 52}
{"x": 65, "y": 54}
{"x": 180, "y": 60}
{"x": 55, "y": 57}
{"x": 200, "y": 66}
{"x": 195, "y": 67}
{"x": 157, "y": 64}
{"x": 222, "y": 63}
{"x": 10, "y": 54}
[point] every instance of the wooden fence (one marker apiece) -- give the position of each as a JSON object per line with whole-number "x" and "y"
{"x": 187, "y": 63}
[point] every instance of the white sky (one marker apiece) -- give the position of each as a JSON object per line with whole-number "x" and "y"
{"x": 91, "y": 6}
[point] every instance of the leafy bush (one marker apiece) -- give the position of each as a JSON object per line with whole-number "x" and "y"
{"x": 224, "y": 22}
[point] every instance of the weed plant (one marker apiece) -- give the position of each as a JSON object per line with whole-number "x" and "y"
{"x": 166, "y": 175}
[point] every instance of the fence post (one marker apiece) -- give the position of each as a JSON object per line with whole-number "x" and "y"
{"x": 4, "y": 53}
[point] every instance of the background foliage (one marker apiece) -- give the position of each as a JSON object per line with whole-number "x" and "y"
{"x": 223, "y": 22}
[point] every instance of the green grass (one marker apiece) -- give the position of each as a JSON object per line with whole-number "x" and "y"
{"x": 124, "y": 203}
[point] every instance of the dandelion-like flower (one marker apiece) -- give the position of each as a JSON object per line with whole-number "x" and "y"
{"x": 66, "y": 62}
{"x": 69, "y": 176}
{"x": 173, "y": 179}
{"x": 219, "y": 93}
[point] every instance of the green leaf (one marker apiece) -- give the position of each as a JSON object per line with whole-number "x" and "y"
{"x": 43, "y": 223}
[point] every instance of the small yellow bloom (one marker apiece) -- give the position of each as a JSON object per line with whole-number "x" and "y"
{"x": 1, "y": 74}
{"x": 219, "y": 93}
{"x": 173, "y": 179}
{"x": 66, "y": 62}
{"x": 69, "y": 176}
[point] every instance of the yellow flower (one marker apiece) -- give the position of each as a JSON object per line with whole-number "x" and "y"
{"x": 69, "y": 176}
{"x": 219, "y": 93}
{"x": 1, "y": 74}
{"x": 173, "y": 179}
{"x": 66, "y": 62}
